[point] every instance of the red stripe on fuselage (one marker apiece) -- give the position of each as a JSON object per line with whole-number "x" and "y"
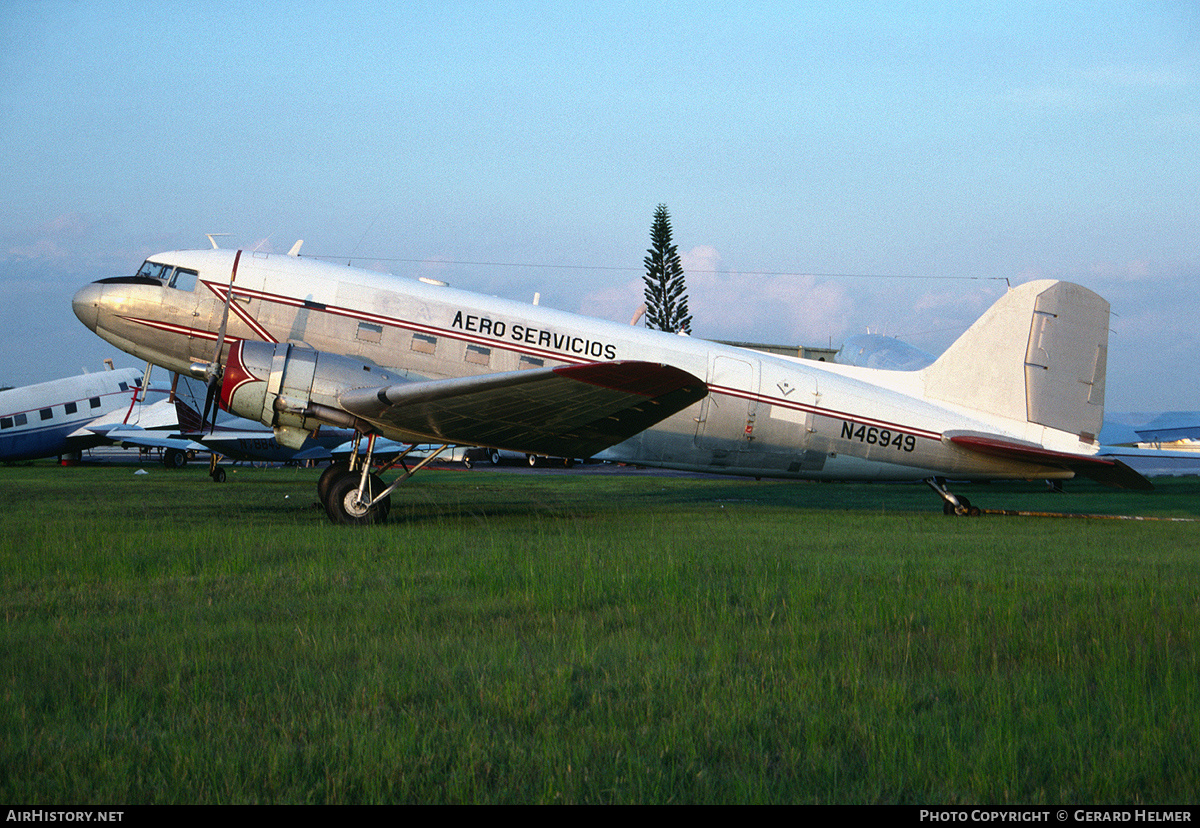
{"x": 504, "y": 345}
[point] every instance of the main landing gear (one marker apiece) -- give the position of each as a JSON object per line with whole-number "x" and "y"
{"x": 215, "y": 470}
{"x": 354, "y": 496}
{"x": 952, "y": 504}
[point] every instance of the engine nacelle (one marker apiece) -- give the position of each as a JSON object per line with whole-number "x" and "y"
{"x": 293, "y": 388}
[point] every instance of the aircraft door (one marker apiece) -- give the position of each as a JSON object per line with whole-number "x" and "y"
{"x": 726, "y": 422}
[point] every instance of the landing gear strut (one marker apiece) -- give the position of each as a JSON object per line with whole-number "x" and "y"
{"x": 952, "y": 504}
{"x": 353, "y": 495}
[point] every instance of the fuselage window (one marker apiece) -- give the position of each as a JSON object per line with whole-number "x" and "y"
{"x": 424, "y": 343}
{"x": 19, "y": 419}
{"x": 530, "y": 362}
{"x": 478, "y": 355}
{"x": 5, "y": 422}
{"x": 369, "y": 333}
{"x": 71, "y": 408}
{"x": 94, "y": 402}
{"x": 183, "y": 280}
{"x": 46, "y": 413}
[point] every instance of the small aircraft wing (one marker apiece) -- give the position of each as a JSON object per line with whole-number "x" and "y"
{"x": 127, "y": 436}
{"x": 1107, "y": 470}
{"x": 568, "y": 411}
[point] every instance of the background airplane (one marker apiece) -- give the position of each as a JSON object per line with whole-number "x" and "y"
{"x": 295, "y": 343}
{"x": 66, "y": 416}
{"x": 234, "y": 438}
{"x": 886, "y": 353}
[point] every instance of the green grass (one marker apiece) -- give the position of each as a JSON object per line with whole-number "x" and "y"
{"x": 591, "y": 638}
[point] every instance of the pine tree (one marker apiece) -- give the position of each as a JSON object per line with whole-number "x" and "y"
{"x": 666, "y": 301}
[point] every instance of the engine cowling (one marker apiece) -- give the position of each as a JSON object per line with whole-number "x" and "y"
{"x": 293, "y": 388}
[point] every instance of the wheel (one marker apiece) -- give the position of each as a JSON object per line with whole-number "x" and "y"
{"x": 174, "y": 459}
{"x": 344, "y": 507}
{"x": 218, "y": 474}
{"x": 494, "y": 457}
{"x": 327, "y": 476}
{"x": 533, "y": 460}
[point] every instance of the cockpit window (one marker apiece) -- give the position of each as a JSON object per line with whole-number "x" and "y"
{"x": 183, "y": 279}
{"x": 153, "y": 270}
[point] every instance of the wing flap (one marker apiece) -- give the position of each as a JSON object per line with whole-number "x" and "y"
{"x": 1107, "y": 470}
{"x": 568, "y": 411}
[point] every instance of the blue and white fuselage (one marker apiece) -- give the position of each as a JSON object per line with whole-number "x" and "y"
{"x": 53, "y": 418}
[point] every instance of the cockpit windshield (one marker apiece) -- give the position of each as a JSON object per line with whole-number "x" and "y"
{"x": 153, "y": 273}
{"x": 169, "y": 275}
{"x": 154, "y": 270}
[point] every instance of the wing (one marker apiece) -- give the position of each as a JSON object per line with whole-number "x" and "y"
{"x": 127, "y": 436}
{"x": 569, "y": 411}
{"x": 1107, "y": 470}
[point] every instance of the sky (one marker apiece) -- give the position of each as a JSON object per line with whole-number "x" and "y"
{"x": 829, "y": 168}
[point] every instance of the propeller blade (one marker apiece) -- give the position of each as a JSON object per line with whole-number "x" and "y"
{"x": 215, "y": 370}
{"x": 215, "y": 365}
{"x": 209, "y": 398}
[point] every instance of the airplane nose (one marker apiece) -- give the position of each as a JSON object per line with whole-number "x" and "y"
{"x": 85, "y": 304}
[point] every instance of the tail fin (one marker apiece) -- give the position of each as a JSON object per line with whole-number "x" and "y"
{"x": 189, "y": 420}
{"x": 1038, "y": 355}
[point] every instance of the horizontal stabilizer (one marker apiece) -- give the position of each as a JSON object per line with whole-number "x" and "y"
{"x": 1106, "y": 470}
{"x": 569, "y": 411}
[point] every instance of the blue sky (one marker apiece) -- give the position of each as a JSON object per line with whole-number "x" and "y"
{"x": 828, "y": 168}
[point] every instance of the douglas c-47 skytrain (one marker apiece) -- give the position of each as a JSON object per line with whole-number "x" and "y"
{"x": 297, "y": 343}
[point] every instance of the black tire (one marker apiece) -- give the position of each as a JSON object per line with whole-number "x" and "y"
{"x": 327, "y": 476}
{"x": 341, "y": 505}
{"x": 218, "y": 474}
{"x": 533, "y": 460}
{"x": 494, "y": 457}
{"x": 174, "y": 458}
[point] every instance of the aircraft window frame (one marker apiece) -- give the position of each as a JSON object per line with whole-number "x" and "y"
{"x": 191, "y": 277}
{"x": 70, "y": 408}
{"x": 20, "y": 419}
{"x": 424, "y": 343}
{"x": 94, "y": 402}
{"x": 153, "y": 270}
{"x": 46, "y": 413}
{"x": 6, "y": 422}
{"x": 478, "y": 354}
{"x": 369, "y": 332}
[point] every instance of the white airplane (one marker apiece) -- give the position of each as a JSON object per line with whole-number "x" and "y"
{"x": 65, "y": 416}
{"x": 296, "y": 343}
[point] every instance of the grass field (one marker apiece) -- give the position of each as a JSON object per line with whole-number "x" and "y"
{"x": 580, "y": 638}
